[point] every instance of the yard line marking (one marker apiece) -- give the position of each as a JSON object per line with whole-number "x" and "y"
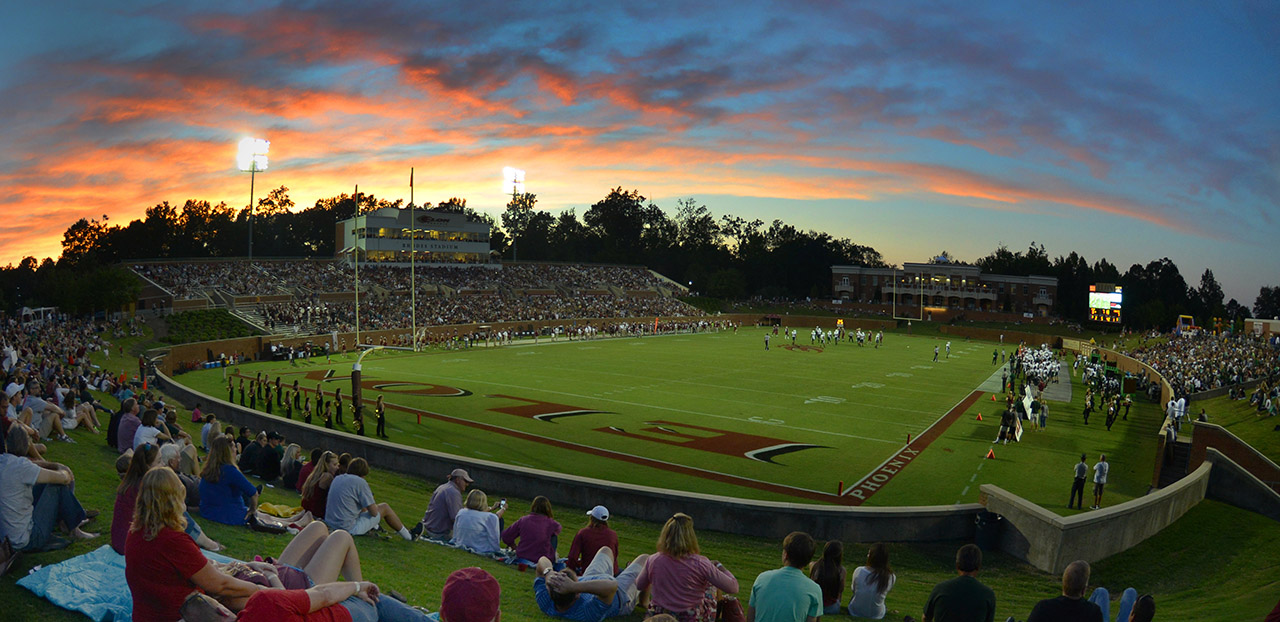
{"x": 975, "y": 476}
{"x": 964, "y": 492}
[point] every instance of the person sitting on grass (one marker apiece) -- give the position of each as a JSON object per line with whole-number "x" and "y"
{"x": 315, "y": 491}
{"x": 536, "y": 533}
{"x": 1071, "y": 605}
{"x": 162, "y": 563}
{"x": 314, "y": 556}
{"x": 267, "y": 464}
{"x": 291, "y": 467}
{"x": 470, "y": 595}
{"x": 149, "y": 432}
{"x": 591, "y": 597}
{"x": 38, "y": 496}
{"x": 592, "y": 538}
{"x": 786, "y": 594}
{"x": 443, "y": 508}
{"x": 478, "y": 525}
{"x": 249, "y": 454}
{"x": 829, "y": 573}
{"x": 351, "y": 506}
{"x": 307, "y": 468}
{"x": 963, "y": 597}
{"x": 1132, "y": 608}
{"x": 682, "y": 581}
{"x": 871, "y": 583}
{"x": 227, "y": 497}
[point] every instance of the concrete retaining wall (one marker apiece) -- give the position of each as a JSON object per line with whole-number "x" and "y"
{"x": 1050, "y": 542}
{"x": 1207, "y": 436}
{"x": 748, "y": 517}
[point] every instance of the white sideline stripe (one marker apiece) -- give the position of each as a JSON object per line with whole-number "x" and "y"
{"x": 905, "y": 445}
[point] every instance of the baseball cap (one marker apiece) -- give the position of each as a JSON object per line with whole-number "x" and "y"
{"x": 599, "y": 513}
{"x": 470, "y": 595}
{"x": 461, "y": 473}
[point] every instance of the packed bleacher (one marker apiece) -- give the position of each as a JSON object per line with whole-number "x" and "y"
{"x": 260, "y": 278}
{"x": 1203, "y": 362}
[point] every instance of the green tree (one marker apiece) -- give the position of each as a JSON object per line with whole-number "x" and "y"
{"x": 517, "y": 217}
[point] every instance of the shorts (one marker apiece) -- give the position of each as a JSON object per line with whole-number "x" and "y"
{"x": 365, "y": 523}
{"x": 1097, "y": 488}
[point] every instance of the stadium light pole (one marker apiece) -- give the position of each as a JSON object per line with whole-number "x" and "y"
{"x": 513, "y": 179}
{"x": 413, "y": 259}
{"x": 251, "y": 158}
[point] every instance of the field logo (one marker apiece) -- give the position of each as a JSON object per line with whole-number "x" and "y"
{"x": 542, "y": 411}
{"x": 725, "y": 442}
{"x": 802, "y": 348}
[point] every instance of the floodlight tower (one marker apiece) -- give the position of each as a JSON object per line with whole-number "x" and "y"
{"x": 251, "y": 158}
{"x": 513, "y": 181}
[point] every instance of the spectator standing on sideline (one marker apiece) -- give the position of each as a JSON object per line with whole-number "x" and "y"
{"x": 1071, "y": 605}
{"x": 1077, "y": 486}
{"x": 442, "y": 509}
{"x": 1100, "y": 471}
{"x": 964, "y": 598}
{"x": 786, "y": 594}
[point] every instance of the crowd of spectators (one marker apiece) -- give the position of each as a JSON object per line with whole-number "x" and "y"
{"x": 1203, "y": 362}
{"x": 394, "y": 310}
{"x": 263, "y": 278}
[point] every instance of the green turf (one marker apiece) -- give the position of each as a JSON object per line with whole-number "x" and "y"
{"x": 1242, "y": 419}
{"x": 1215, "y": 563}
{"x": 857, "y": 405}
{"x": 1040, "y": 467}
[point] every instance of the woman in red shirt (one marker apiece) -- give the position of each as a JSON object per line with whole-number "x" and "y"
{"x": 162, "y": 563}
{"x": 595, "y": 536}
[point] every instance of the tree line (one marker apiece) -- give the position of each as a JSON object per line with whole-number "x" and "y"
{"x": 725, "y": 257}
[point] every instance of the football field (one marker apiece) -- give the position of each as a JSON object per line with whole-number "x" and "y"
{"x": 713, "y": 413}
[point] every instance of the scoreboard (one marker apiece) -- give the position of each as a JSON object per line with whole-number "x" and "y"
{"x": 1105, "y": 301}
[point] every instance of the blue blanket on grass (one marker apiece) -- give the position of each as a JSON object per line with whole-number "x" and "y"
{"x": 91, "y": 584}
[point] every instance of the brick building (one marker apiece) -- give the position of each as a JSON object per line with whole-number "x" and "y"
{"x": 945, "y": 286}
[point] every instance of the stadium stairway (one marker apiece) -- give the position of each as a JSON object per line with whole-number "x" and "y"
{"x": 1176, "y": 468}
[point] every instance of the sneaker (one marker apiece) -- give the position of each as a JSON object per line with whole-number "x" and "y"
{"x": 66, "y": 439}
{"x": 416, "y": 532}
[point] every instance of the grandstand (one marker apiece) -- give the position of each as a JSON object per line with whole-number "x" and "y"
{"x": 294, "y": 297}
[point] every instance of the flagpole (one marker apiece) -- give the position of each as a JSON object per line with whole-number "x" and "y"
{"x": 413, "y": 257}
{"x": 357, "y": 256}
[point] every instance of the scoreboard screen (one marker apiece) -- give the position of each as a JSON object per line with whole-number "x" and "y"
{"x": 1105, "y": 301}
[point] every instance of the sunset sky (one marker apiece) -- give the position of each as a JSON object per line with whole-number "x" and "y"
{"x": 1129, "y": 130}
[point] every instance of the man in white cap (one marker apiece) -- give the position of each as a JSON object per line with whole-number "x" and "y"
{"x": 437, "y": 523}
{"x": 590, "y": 539}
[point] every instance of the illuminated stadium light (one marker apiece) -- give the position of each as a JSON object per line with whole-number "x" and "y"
{"x": 512, "y": 180}
{"x": 252, "y": 158}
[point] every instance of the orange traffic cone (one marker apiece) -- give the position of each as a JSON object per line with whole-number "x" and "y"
{"x": 979, "y": 416}
{"x": 991, "y": 454}
{"x": 993, "y": 397}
